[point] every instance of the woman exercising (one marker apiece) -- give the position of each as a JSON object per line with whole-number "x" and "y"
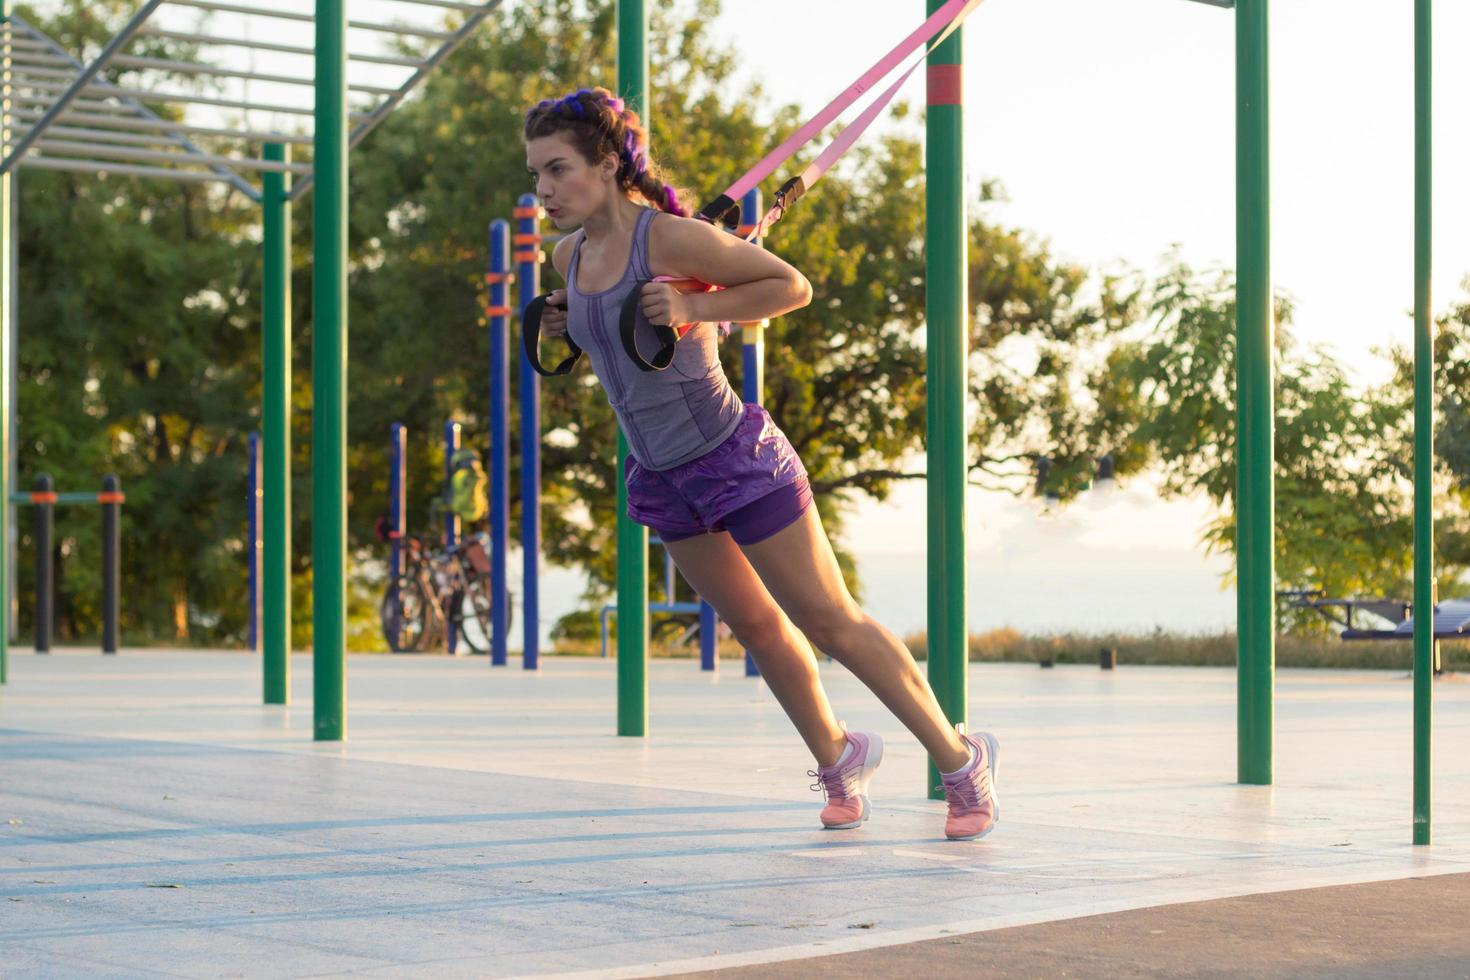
{"x": 715, "y": 478}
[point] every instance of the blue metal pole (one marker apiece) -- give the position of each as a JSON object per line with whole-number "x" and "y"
{"x": 708, "y": 624}
{"x": 397, "y": 497}
{"x": 753, "y": 348}
{"x": 528, "y": 262}
{"x": 252, "y": 509}
{"x": 451, "y": 520}
{"x": 498, "y": 314}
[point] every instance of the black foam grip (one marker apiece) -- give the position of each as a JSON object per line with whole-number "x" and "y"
{"x": 531, "y": 338}
{"x": 667, "y": 336}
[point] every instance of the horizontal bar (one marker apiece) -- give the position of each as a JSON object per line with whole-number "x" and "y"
{"x": 211, "y": 39}
{"x": 234, "y": 42}
{"x": 233, "y": 8}
{"x": 450, "y": 4}
{"x": 63, "y": 132}
{"x": 400, "y": 29}
{"x": 21, "y": 70}
{"x": 146, "y": 95}
{"x": 17, "y": 23}
{"x": 198, "y": 68}
{"x": 48, "y": 101}
{"x": 164, "y": 125}
{"x": 106, "y": 89}
{"x": 122, "y": 169}
{"x": 39, "y": 58}
{"x": 383, "y": 59}
{"x": 160, "y": 156}
{"x": 79, "y": 497}
{"x": 87, "y": 74}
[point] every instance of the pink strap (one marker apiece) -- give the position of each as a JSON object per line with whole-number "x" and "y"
{"x": 943, "y": 22}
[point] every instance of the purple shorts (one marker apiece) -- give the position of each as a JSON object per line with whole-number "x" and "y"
{"x": 751, "y": 485}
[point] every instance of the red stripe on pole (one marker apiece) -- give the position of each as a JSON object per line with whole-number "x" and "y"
{"x": 43, "y": 497}
{"x": 111, "y": 497}
{"x": 528, "y": 213}
{"x": 946, "y": 85}
{"x": 498, "y": 311}
{"x": 528, "y": 256}
{"x": 527, "y": 239}
{"x": 498, "y": 277}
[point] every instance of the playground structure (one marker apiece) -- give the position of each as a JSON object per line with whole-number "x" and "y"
{"x": 48, "y": 87}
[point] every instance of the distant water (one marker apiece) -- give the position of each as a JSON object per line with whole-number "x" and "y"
{"x": 1118, "y": 559}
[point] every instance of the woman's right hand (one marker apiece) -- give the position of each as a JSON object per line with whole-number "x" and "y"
{"x": 554, "y": 317}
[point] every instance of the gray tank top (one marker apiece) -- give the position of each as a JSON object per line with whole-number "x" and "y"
{"x": 669, "y": 417}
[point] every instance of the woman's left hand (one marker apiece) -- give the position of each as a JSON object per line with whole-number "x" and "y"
{"x": 664, "y": 305}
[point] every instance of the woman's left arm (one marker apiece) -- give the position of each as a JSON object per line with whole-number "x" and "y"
{"x": 757, "y": 284}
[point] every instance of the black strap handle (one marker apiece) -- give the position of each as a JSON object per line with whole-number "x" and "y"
{"x": 531, "y": 337}
{"x": 667, "y": 336}
{"x": 721, "y": 211}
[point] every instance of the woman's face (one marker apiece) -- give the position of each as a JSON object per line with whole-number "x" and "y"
{"x": 569, "y": 187}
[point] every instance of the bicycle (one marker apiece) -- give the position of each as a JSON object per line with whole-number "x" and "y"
{"x": 440, "y": 588}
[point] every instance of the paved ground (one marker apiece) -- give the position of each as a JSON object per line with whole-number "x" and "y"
{"x": 157, "y": 819}
{"x": 1411, "y": 929}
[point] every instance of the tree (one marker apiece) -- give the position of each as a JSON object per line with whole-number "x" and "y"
{"x": 138, "y": 330}
{"x": 1343, "y": 456}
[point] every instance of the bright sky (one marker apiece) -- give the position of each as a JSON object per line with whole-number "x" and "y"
{"x": 1110, "y": 124}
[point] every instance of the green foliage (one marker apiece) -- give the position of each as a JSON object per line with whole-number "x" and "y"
{"x": 1343, "y": 455}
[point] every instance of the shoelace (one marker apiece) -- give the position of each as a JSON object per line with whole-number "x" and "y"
{"x": 840, "y": 783}
{"x": 966, "y": 793}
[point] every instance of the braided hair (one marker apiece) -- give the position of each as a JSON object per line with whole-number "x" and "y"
{"x": 597, "y": 123}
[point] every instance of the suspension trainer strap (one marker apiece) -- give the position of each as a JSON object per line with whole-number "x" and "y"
{"x": 668, "y": 337}
{"x": 531, "y": 338}
{"x": 932, "y": 33}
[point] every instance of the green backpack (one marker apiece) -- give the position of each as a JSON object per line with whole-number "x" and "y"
{"x": 468, "y": 487}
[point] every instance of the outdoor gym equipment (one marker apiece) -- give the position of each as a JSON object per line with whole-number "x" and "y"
{"x": 708, "y": 622}
{"x": 45, "y": 499}
{"x": 1451, "y": 620}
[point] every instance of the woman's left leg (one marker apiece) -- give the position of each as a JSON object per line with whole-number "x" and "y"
{"x": 801, "y": 572}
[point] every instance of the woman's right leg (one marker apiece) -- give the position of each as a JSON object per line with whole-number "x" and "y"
{"x": 719, "y": 571}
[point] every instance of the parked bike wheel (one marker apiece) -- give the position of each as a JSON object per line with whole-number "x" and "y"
{"x": 404, "y": 613}
{"x": 474, "y": 611}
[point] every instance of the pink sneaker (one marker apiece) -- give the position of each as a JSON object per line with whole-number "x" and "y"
{"x": 973, "y": 807}
{"x": 846, "y": 784}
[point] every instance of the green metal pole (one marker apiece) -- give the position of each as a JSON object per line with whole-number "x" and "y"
{"x": 275, "y": 640}
{"x": 7, "y": 307}
{"x": 1255, "y": 502}
{"x": 948, "y": 324}
{"x": 1423, "y": 419}
{"x": 632, "y": 537}
{"x": 329, "y": 377}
